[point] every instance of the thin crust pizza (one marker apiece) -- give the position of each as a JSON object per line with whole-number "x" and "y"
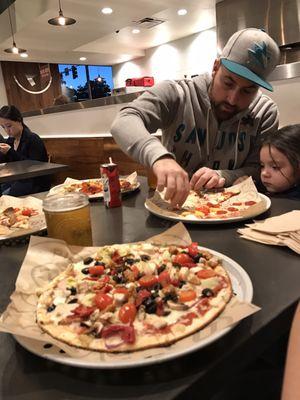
{"x": 94, "y": 187}
{"x": 216, "y": 204}
{"x": 15, "y": 218}
{"x": 131, "y": 297}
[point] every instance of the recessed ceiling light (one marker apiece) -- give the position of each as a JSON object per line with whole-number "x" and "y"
{"x": 136, "y": 31}
{"x": 82, "y": 58}
{"x": 182, "y": 11}
{"x": 24, "y": 55}
{"x": 106, "y": 10}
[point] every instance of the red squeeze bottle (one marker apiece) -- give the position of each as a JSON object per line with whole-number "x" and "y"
{"x": 111, "y": 184}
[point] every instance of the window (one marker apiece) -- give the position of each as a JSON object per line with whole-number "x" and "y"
{"x": 84, "y": 82}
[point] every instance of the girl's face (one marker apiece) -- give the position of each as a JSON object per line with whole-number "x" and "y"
{"x": 277, "y": 173}
{"x": 12, "y": 128}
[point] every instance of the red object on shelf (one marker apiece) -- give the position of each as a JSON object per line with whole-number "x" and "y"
{"x": 144, "y": 81}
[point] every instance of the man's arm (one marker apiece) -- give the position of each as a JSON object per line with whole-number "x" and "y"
{"x": 251, "y": 165}
{"x": 154, "y": 109}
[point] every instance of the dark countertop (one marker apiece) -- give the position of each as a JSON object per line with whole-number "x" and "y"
{"x": 275, "y": 274}
{"x": 24, "y": 169}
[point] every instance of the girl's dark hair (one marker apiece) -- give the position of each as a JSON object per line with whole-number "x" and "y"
{"x": 12, "y": 113}
{"x": 287, "y": 141}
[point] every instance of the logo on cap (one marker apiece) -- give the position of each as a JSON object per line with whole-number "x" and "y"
{"x": 259, "y": 54}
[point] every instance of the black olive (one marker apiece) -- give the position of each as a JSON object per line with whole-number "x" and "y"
{"x": 181, "y": 283}
{"x": 51, "y": 308}
{"x": 171, "y": 296}
{"x": 145, "y": 257}
{"x": 207, "y": 292}
{"x": 119, "y": 270}
{"x": 73, "y": 301}
{"x": 87, "y": 260}
{"x": 72, "y": 290}
{"x": 100, "y": 263}
{"x": 129, "y": 261}
{"x": 197, "y": 258}
{"x": 156, "y": 286}
{"x": 150, "y": 305}
{"x": 83, "y": 325}
{"x": 154, "y": 294}
{"x": 85, "y": 271}
{"x": 161, "y": 268}
{"x": 119, "y": 278}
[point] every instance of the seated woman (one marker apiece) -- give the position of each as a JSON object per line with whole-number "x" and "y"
{"x": 21, "y": 144}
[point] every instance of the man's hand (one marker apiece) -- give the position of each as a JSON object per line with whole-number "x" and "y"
{"x": 4, "y": 148}
{"x": 171, "y": 176}
{"x": 206, "y": 178}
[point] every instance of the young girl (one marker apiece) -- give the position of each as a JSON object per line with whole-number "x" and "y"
{"x": 280, "y": 161}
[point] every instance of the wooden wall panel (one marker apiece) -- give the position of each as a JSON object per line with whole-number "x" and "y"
{"x": 20, "y": 98}
{"x": 84, "y": 156}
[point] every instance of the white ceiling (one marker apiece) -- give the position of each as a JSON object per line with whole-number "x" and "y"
{"x": 94, "y": 34}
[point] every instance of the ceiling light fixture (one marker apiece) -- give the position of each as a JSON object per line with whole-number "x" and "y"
{"x": 14, "y": 49}
{"x": 24, "y": 55}
{"x": 82, "y": 58}
{"x": 182, "y": 11}
{"x": 61, "y": 20}
{"x": 136, "y": 31}
{"x": 106, "y": 10}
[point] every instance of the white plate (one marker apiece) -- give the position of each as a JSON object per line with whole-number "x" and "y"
{"x": 212, "y": 220}
{"x": 60, "y": 189}
{"x": 242, "y": 286}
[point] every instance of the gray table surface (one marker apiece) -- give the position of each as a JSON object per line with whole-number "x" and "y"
{"x": 24, "y": 169}
{"x": 275, "y": 274}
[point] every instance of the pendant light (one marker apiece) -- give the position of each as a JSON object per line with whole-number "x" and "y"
{"x": 14, "y": 49}
{"x": 61, "y": 20}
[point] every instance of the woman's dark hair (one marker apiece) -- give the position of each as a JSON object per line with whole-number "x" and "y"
{"x": 287, "y": 141}
{"x": 12, "y": 113}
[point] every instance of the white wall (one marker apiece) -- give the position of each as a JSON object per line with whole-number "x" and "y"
{"x": 94, "y": 121}
{"x": 287, "y": 96}
{"x": 191, "y": 55}
{"x": 3, "y": 96}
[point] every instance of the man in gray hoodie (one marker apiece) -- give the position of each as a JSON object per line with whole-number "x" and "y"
{"x": 211, "y": 125}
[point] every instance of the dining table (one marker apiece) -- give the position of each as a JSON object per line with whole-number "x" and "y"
{"x": 275, "y": 275}
{"x": 24, "y": 169}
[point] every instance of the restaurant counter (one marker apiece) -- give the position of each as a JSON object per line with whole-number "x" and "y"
{"x": 275, "y": 275}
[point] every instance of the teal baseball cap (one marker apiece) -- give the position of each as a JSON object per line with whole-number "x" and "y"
{"x": 252, "y": 54}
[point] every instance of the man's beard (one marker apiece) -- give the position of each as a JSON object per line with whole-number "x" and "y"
{"x": 224, "y": 111}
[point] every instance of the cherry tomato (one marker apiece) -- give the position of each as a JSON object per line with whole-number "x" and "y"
{"x": 203, "y": 209}
{"x": 102, "y": 300}
{"x": 127, "y": 313}
{"x": 148, "y": 280}
{"x": 83, "y": 311}
{"x": 182, "y": 259}
{"x": 164, "y": 278}
{"x": 232, "y": 209}
{"x": 141, "y": 296}
{"x": 27, "y": 212}
{"x": 187, "y": 295}
{"x": 96, "y": 270}
{"x": 135, "y": 271}
{"x": 250, "y": 203}
{"x": 221, "y": 212}
{"x": 193, "y": 249}
{"x": 206, "y": 273}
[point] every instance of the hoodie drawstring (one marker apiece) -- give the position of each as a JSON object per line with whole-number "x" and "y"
{"x": 236, "y": 144}
{"x": 207, "y": 134}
